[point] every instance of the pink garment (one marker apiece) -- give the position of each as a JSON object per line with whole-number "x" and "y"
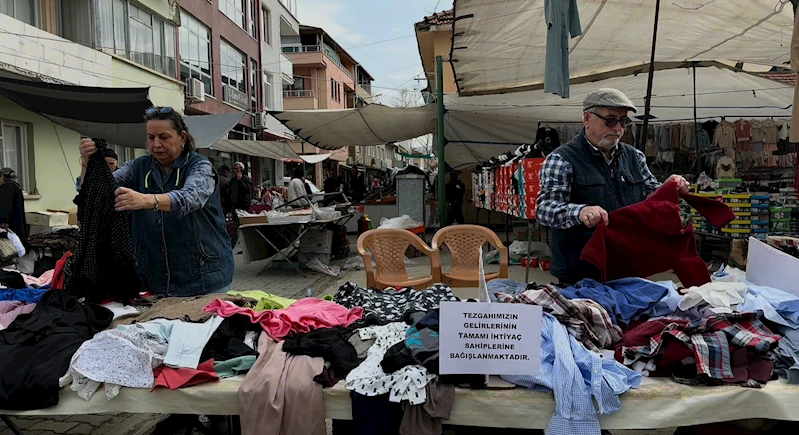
{"x": 304, "y": 315}
{"x": 45, "y": 279}
{"x": 279, "y": 396}
{"x": 9, "y": 310}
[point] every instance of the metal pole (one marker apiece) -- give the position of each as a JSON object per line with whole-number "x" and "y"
{"x": 442, "y": 141}
{"x": 696, "y": 130}
{"x": 529, "y": 247}
{"x": 647, "y": 102}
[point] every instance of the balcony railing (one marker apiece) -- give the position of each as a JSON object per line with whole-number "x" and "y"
{"x": 299, "y": 93}
{"x": 316, "y": 49}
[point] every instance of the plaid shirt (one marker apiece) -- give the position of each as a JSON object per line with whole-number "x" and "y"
{"x": 553, "y": 206}
{"x": 585, "y": 319}
{"x": 710, "y": 339}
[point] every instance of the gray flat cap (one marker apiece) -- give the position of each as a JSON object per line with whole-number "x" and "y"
{"x": 608, "y": 97}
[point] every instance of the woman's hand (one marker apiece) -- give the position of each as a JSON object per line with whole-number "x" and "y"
{"x": 130, "y": 200}
{"x": 87, "y": 149}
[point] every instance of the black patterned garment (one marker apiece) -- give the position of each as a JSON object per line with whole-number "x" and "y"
{"x": 103, "y": 265}
{"x": 392, "y": 305}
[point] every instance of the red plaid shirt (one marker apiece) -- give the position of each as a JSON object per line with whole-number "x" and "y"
{"x": 710, "y": 339}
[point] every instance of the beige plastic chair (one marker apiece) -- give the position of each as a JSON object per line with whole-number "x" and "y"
{"x": 388, "y": 247}
{"x": 464, "y": 242}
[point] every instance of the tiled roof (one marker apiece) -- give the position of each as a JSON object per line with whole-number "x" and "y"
{"x": 788, "y": 78}
{"x": 443, "y": 17}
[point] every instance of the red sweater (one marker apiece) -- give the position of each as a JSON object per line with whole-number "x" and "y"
{"x": 648, "y": 238}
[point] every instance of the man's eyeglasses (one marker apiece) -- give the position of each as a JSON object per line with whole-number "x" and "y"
{"x": 611, "y": 122}
{"x": 158, "y": 111}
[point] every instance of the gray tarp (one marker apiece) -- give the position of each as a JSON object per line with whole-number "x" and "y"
{"x": 273, "y": 149}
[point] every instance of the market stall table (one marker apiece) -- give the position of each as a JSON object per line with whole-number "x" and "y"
{"x": 289, "y": 232}
{"x": 658, "y": 403}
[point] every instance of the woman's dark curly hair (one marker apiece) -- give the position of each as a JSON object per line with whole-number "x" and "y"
{"x": 170, "y": 114}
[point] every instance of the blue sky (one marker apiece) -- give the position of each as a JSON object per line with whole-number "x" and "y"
{"x": 355, "y": 23}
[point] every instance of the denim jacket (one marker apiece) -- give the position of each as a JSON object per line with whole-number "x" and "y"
{"x": 187, "y": 251}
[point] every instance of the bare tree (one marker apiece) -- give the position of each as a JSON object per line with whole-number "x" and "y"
{"x": 406, "y": 98}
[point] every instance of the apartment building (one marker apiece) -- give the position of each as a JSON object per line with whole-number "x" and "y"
{"x": 325, "y": 77}
{"x": 434, "y": 38}
{"x": 96, "y": 43}
{"x": 231, "y": 60}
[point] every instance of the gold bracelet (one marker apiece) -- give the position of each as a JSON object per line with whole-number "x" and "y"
{"x": 157, "y": 203}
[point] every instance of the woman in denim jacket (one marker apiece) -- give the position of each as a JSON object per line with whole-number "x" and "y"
{"x": 177, "y": 223}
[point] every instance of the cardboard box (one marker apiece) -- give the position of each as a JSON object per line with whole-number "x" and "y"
{"x": 47, "y": 218}
{"x": 73, "y": 214}
{"x": 250, "y": 220}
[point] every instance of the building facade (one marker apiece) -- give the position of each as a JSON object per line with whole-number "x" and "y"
{"x": 230, "y": 50}
{"x": 99, "y": 43}
{"x": 325, "y": 76}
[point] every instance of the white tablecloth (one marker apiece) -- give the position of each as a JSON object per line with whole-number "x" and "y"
{"x": 657, "y": 403}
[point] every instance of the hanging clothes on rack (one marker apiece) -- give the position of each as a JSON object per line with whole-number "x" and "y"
{"x": 743, "y": 135}
{"x": 724, "y": 136}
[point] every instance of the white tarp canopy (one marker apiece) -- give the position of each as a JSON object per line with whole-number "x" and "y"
{"x": 500, "y": 46}
{"x": 273, "y": 149}
{"x": 374, "y": 124}
{"x": 315, "y": 158}
{"x": 477, "y": 126}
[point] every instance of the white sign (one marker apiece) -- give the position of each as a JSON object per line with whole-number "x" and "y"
{"x": 770, "y": 267}
{"x": 489, "y": 339}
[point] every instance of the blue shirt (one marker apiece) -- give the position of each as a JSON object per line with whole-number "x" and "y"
{"x": 576, "y": 376}
{"x": 623, "y": 299}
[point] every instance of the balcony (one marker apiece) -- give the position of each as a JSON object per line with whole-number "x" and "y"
{"x": 300, "y": 99}
{"x": 313, "y": 60}
{"x": 290, "y": 5}
{"x": 286, "y": 70}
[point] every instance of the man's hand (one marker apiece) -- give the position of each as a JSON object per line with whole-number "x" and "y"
{"x": 129, "y": 200}
{"x": 683, "y": 186}
{"x": 590, "y": 215}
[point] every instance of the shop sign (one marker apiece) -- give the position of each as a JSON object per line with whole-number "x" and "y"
{"x": 235, "y": 97}
{"x": 489, "y": 338}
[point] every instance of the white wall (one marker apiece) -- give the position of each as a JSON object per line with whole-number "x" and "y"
{"x": 42, "y": 53}
{"x": 270, "y": 57}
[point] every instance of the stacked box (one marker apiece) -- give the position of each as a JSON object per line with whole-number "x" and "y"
{"x": 529, "y": 186}
{"x": 741, "y": 205}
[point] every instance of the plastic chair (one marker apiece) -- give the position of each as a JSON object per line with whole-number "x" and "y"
{"x": 388, "y": 247}
{"x": 464, "y": 242}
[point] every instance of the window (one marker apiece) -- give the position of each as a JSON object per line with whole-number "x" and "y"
{"x": 335, "y": 90}
{"x": 269, "y": 97}
{"x": 234, "y": 65}
{"x": 14, "y": 151}
{"x": 195, "y": 51}
{"x": 253, "y": 19}
{"x": 233, "y": 9}
{"x": 136, "y": 34}
{"x": 22, "y": 10}
{"x": 125, "y": 154}
{"x": 266, "y": 25}
{"x": 254, "y": 85}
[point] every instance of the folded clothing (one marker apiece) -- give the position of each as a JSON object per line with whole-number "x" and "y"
{"x": 623, "y": 298}
{"x": 173, "y": 378}
{"x": 234, "y": 367}
{"x": 710, "y": 340}
{"x": 585, "y": 319}
{"x": 331, "y": 344}
{"x": 229, "y": 341}
{"x": 9, "y": 310}
{"x": 188, "y": 309}
{"x": 266, "y": 301}
{"x": 392, "y": 305}
{"x": 186, "y": 340}
{"x": 725, "y": 295}
{"x": 304, "y": 315}
{"x": 30, "y": 295}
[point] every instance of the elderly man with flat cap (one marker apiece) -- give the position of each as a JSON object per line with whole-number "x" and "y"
{"x": 589, "y": 177}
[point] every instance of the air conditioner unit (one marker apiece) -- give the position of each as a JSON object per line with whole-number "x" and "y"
{"x": 259, "y": 121}
{"x": 195, "y": 90}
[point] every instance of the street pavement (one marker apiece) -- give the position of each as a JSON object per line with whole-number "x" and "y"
{"x": 283, "y": 282}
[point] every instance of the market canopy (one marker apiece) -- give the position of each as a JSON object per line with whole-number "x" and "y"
{"x": 274, "y": 149}
{"x": 482, "y": 126}
{"x": 500, "y": 46}
{"x": 114, "y": 114}
{"x": 315, "y": 158}
{"x": 371, "y": 125}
